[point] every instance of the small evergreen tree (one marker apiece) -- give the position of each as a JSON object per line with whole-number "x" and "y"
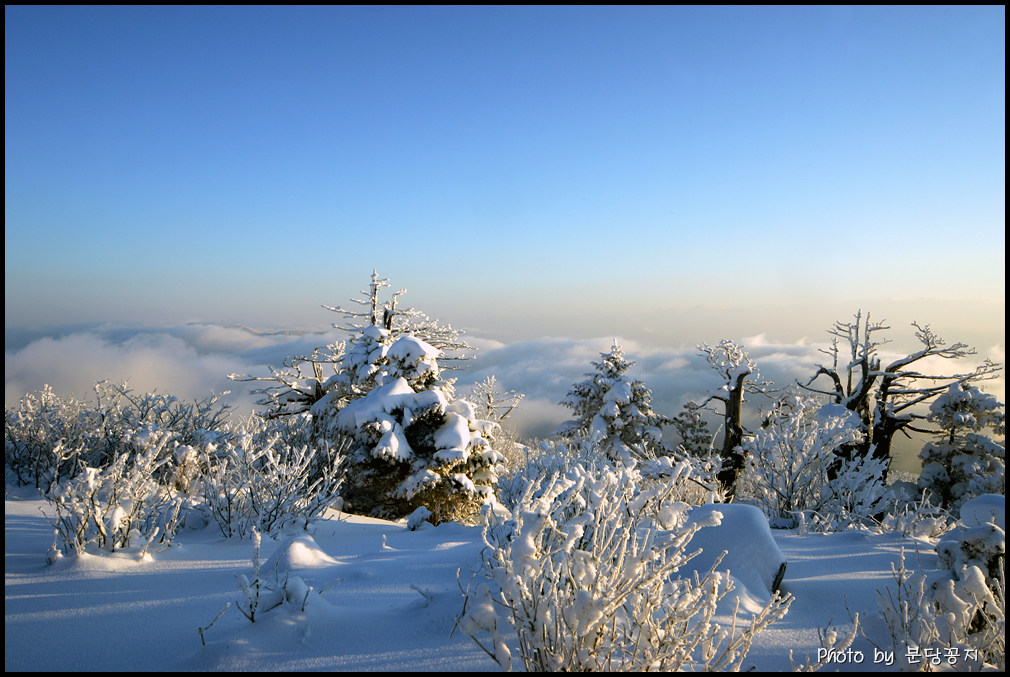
{"x": 618, "y": 409}
{"x": 696, "y": 439}
{"x": 963, "y": 463}
{"x": 413, "y": 445}
{"x": 304, "y": 380}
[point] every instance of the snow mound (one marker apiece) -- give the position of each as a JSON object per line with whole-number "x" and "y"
{"x": 984, "y": 509}
{"x": 752, "y": 556}
{"x": 299, "y": 552}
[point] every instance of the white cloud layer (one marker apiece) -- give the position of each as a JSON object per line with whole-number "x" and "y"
{"x": 193, "y": 360}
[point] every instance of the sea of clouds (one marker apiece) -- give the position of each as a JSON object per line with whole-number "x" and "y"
{"x": 193, "y": 361}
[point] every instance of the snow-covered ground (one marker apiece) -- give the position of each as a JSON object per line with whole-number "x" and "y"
{"x": 383, "y": 598}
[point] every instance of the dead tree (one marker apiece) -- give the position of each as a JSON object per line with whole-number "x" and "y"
{"x": 886, "y": 398}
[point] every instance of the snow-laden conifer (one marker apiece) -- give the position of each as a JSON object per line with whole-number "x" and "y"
{"x": 413, "y": 444}
{"x": 963, "y": 463}
{"x": 302, "y": 381}
{"x": 611, "y": 405}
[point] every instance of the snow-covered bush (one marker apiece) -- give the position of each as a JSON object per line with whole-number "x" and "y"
{"x": 975, "y": 543}
{"x": 919, "y": 518}
{"x": 43, "y": 422}
{"x": 251, "y": 480}
{"x": 690, "y": 480}
{"x": 118, "y": 506}
{"x": 584, "y": 569}
{"x": 96, "y": 434}
{"x": 546, "y": 460}
{"x": 788, "y": 463}
{"x": 964, "y": 463}
{"x": 948, "y": 617}
{"x": 962, "y": 611}
{"x": 609, "y": 404}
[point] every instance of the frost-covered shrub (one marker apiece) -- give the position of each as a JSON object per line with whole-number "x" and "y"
{"x": 251, "y": 480}
{"x": 87, "y": 434}
{"x": 44, "y": 422}
{"x": 972, "y": 598}
{"x": 616, "y": 408}
{"x": 908, "y": 612}
{"x": 584, "y": 569}
{"x": 118, "y": 506}
{"x": 690, "y": 480}
{"x": 919, "y": 518}
{"x": 962, "y": 463}
{"x": 546, "y": 460}
{"x": 788, "y": 463}
{"x": 949, "y": 617}
{"x": 962, "y": 611}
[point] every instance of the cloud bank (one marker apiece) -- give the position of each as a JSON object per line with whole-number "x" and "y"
{"x": 191, "y": 361}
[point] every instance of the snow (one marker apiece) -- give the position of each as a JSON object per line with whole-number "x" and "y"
{"x": 834, "y": 411}
{"x": 984, "y": 509}
{"x": 454, "y": 433}
{"x": 382, "y": 597}
{"x": 751, "y": 554}
{"x": 410, "y": 349}
{"x": 386, "y": 399}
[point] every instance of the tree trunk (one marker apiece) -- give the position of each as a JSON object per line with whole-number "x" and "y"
{"x": 732, "y": 459}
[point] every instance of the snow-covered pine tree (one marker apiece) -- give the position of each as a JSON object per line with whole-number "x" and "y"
{"x": 304, "y": 380}
{"x": 413, "y": 445}
{"x": 696, "y": 439}
{"x": 616, "y": 408}
{"x": 964, "y": 463}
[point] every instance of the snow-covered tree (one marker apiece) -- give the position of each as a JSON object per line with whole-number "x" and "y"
{"x": 696, "y": 439}
{"x": 886, "y": 397}
{"x": 413, "y": 445}
{"x": 739, "y": 377}
{"x": 304, "y": 380}
{"x": 963, "y": 463}
{"x": 618, "y": 409}
{"x": 492, "y": 404}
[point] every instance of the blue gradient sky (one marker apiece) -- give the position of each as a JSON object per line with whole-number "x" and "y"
{"x": 523, "y": 171}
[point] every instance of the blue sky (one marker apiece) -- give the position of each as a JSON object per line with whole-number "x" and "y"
{"x": 523, "y": 171}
